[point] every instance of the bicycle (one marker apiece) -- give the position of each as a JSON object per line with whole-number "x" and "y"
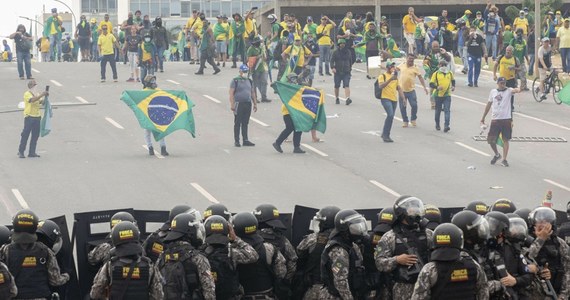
{"x": 552, "y": 82}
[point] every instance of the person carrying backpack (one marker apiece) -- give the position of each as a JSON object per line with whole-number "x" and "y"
{"x": 66, "y": 48}
{"x": 242, "y": 96}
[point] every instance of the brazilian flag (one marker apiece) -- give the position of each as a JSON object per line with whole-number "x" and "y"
{"x": 45, "y": 124}
{"x": 305, "y": 106}
{"x": 564, "y": 94}
{"x": 161, "y": 111}
{"x": 360, "y": 50}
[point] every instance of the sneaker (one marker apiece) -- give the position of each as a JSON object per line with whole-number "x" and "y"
{"x": 265, "y": 100}
{"x": 248, "y": 144}
{"x": 337, "y": 101}
{"x": 348, "y": 101}
{"x": 387, "y": 140}
{"x": 543, "y": 96}
{"x": 277, "y": 148}
{"x": 475, "y": 84}
{"x": 446, "y": 129}
{"x": 33, "y": 155}
{"x": 437, "y": 128}
{"x": 405, "y": 125}
{"x": 115, "y": 80}
{"x": 224, "y": 64}
{"x": 218, "y": 64}
{"x": 237, "y": 144}
{"x": 102, "y": 79}
{"x": 138, "y": 80}
{"x": 199, "y": 73}
{"x": 131, "y": 79}
{"x": 150, "y": 150}
{"x": 298, "y": 150}
{"x": 217, "y": 71}
{"x": 21, "y": 155}
{"x": 505, "y": 163}
{"x": 495, "y": 158}
{"x": 234, "y": 66}
{"x": 329, "y": 74}
{"x": 470, "y": 84}
{"x": 414, "y": 123}
{"x": 22, "y": 78}
{"x": 321, "y": 73}
{"x": 163, "y": 151}
{"x": 161, "y": 70}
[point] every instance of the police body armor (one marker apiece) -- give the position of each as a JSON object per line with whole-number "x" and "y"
{"x": 281, "y": 287}
{"x": 153, "y": 246}
{"x": 223, "y": 270}
{"x": 257, "y": 278}
{"x": 127, "y": 283}
{"x": 356, "y": 273}
{"x": 375, "y": 280}
{"x": 180, "y": 273}
{"x": 406, "y": 242}
{"x": 550, "y": 253}
{"x": 456, "y": 279}
{"x": 313, "y": 265}
{"x": 30, "y": 270}
{"x": 5, "y": 282}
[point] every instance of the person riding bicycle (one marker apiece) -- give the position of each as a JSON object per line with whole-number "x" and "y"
{"x": 544, "y": 64}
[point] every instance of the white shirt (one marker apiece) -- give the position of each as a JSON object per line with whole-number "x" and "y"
{"x": 501, "y": 104}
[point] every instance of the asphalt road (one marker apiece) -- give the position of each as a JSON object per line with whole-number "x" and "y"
{"x": 94, "y": 158}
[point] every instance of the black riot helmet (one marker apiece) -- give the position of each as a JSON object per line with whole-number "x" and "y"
{"x": 498, "y": 223}
{"x": 523, "y": 213}
{"x": 125, "y": 232}
{"x": 245, "y": 224}
{"x": 503, "y": 205}
{"x": 122, "y": 216}
{"x": 409, "y": 208}
{"x": 175, "y": 211}
{"x": 542, "y": 215}
{"x": 518, "y": 230}
{"x": 268, "y": 216}
{"x": 447, "y": 242}
{"x": 5, "y": 234}
{"x": 568, "y": 210}
{"x": 474, "y": 226}
{"x": 49, "y": 234}
{"x": 324, "y": 219}
{"x": 217, "y": 210}
{"x": 351, "y": 222}
{"x": 386, "y": 219}
{"x": 184, "y": 225}
{"x": 217, "y": 230}
{"x": 25, "y": 221}
{"x": 433, "y": 216}
{"x": 478, "y": 207}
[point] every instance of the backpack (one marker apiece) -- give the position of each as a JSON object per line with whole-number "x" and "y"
{"x": 65, "y": 48}
{"x": 377, "y": 89}
{"x": 180, "y": 275}
{"x": 236, "y": 81}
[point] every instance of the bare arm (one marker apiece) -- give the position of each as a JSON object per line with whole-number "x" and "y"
{"x": 487, "y": 108}
{"x": 232, "y": 100}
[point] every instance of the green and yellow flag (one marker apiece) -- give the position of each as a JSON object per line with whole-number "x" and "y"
{"x": 564, "y": 94}
{"x": 45, "y": 124}
{"x": 161, "y": 111}
{"x": 305, "y": 106}
{"x": 500, "y": 140}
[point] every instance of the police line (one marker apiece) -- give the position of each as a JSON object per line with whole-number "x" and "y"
{"x": 92, "y": 228}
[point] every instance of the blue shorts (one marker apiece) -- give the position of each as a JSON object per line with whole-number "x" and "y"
{"x": 221, "y": 46}
{"x": 344, "y": 78}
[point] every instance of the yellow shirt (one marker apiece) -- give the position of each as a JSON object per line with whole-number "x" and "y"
{"x": 325, "y": 40}
{"x": 444, "y": 80}
{"x": 249, "y": 27}
{"x": 109, "y": 26}
{"x": 191, "y": 22}
{"x": 198, "y": 25}
{"x": 284, "y": 110}
{"x": 294, "y": 51}
{"x": 31, "y": 109}
{"x": 44, "y": 46}
{"x": 521, "y": 23}
{"x": 106, "y": 42}
{"x": 390, "y": 91}
{"x": 507, "y": 67}
{"x": 408, "y": 77}
{"x": 223, "y": 36}
{"x": 409, "y": 24}
{"x": 564, "y": 35}
{"x": 53, "y": 29}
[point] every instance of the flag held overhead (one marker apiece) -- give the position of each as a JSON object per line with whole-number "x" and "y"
{"x": 304, "y": 104}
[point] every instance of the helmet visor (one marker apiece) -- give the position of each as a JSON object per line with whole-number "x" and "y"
{"x": 543, "y": 215}
{"x": 517, "y": 229}
{"x": 57, "y": 245}
{"x": 414, "y": 207}
{"x": 495, "y": 226}
{"x": 357, "y": 225}
{"x": 314, "y": 226}
{"x": 482, "y": 227}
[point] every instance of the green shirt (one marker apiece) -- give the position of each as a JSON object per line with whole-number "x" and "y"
{"x": 520, "y": 49}
{"x": 260, "y": 63}
{"x": 205, "y": 39}
{"x": 275, "y": 29}
{"x": 507, "y": 37}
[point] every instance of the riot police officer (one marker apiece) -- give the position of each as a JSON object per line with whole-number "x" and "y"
{"x": 307, "y": 283}
{"x": 5, "y": 235}
{"x": 186, "y": 271}
{"x": 217, "y": 210}
{"x": 271, "y": 229}
{"x": 564, "y": 229}
{"x": 433, "y": 216}
{"x": 49, "y": 234}
{"x": 342, "y": 265}
{"x": 503, "y": 205}
{"x": 404, "y": 250}
{"x": 127, "y": 274}
{"x": 516, "y": 238}
{"x": 478, "y": 207}
{"x": 34, "y": 264}
{"x": 257, "y": 278}
{"x": 224, "y": 250}
{"x": 451, "y": 272}
{"x": 550, "y": 251}
{"x": 101, "y": 253}
{"x": 8, "y": 289}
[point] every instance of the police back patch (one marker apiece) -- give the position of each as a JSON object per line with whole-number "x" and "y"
{"x": 459, "y": 275}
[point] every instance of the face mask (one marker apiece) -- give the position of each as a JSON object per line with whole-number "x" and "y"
{"x": 243, "y": 75}
{"x": 491, "y": 15}
{"x": 479, "y": 17}
{"x": 443, "y": 69}
{"x": 147, "y": 40}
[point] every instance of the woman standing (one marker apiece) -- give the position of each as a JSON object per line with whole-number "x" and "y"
{"x": 23, "y": 42}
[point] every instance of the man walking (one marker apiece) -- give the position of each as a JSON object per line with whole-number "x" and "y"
{"x": 409, "y": 24}
{"x": 242, "y": 95}
{"x": 388, "y": 84}
{"x": 508, "y": 65}
{"x": 52, "y": 29}
{"x": 409, "y": 72}
{"x": 207, "y": 50}
{"x": 475, "y": 50}
{"x": 520, "y": 51}
{"x": 324, "y": 40}
{"x": 341, "y": 66}
{"x": 257, "y": 57}
{"x": 443, "y": 83}
{"x": 502, "y": 119}
{"x": 160, "y": 39}
{"x": 106, "y": 44}
{"x": 32, "y": 117}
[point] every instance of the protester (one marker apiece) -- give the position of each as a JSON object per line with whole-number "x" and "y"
{"x": 443, "y": 83}
{"x": 373, "y": 42}
{"x": 563, "y": 36}
{"x": 106, "y": 44}
{"x": 221, "y": 33}
{"x": 132, "y": 48}
{"x": 388, "y": 83}
{"x": 409, "y": 71}
{"x": 314, "y": 47}
{"x": 32, "y": 116}
{"x": 492, "y": 31}
{"x": 238, "y": 29}
{"x": 324, "y": 40}
{"x": 83, "y": 34}
{"x": 94, "y": 39}
{"x": 52, "y": 29}
{"x": 161, "y": 41}
{"x": 207, "y": 49}
{"x": 409, "y": 24}
{"x": 23, "y": 42}
{"x": 149, "y": 83}
{"x": 341, "y": 66}
{"x": 147, "y": 56}
{"x": 521, "y": 53}
{"x": 7, "y": 50}
{"x": 289, "y": 128}
{"x": 257, "y": 57}
{"x": 508, "y": 66}
{"x": 544, "y": 62}
{"x": 476, "y": 49}
{"x": 242, "y": 95}
{"x": 43, "y": 45}
{"x": 67, "y": 49}
{"x": 107, "y": 23}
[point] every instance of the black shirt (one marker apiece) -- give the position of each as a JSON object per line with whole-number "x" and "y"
{"x": 314, "y": 47}
{"x": 83, "y": 29}
{"x": 133, "y": 42}
{"x": 474, "y": 47}
{"x": 21, "y": 44}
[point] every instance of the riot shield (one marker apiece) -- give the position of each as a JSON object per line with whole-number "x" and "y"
{"x": 66, "y": 263}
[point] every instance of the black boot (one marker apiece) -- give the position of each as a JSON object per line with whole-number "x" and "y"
{"x": 150, "y": 150}
{"x": 298, "y": 150}
{"x": 163, "y": 151}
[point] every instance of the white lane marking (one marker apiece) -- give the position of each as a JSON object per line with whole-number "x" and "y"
{"x": 399, "y": 119}
{"x": 213, "y": 99}
{"x": 557, "y": 184}
{"x": 56, "y": 83}
{"x": 467, "y": 99}
{"x": 319, "y": 152}
{"x": 81, "y": 99}
{"x": 385, "y": 188}
{"x": 35, "y": 70}
{"x": 334, "y": 97}
{"x": 541, "y": 120}
{"x": 182, "y": 74}
{"x": 258, "y": 122}
{"x": 114, "y": 123}
{"x": 157, "y": 154}
{"x": 172, "y": 81}
{"x": 472, "y": 149}
{"x": 359, "y": 70}
{"x": 20, "y": 198}
{"x": 204, "y": 192}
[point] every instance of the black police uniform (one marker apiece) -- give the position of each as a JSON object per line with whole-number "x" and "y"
{"x": 176, "y": 264}
{"x": 223, "y": 270}
{"x": 457, "y": 279}
{"x": 129, "y": 277}
{"x": 409, "y": 241}
{"x": 309, "y": 265}
{"x": 257, "y": 278}
{"x": 28, "y": 264}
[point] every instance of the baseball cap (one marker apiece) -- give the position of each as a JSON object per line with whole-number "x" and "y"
{"x": 501, "y": 79}
{"x": 478, "y": 12}
{"x": 521, "y": 12}
{"x": 467, "y": 12}
{"x": 567, "y": 20}
{"x": 309, "y": 18}
{"x": 558, "y": 12}
{"x": 54, "y": 10}
{"x": 508, "y": 27}
{"x": 297, "y": 37}
{"x": 93, "y": 20}
{"x": 545, "y": 39}
{"x": 341, "y": 41}
{"x": 390, "y": 63}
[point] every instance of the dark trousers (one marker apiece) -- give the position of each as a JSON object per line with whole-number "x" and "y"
{"x": 205, "y": 56}
{"x": 239, "y": 49}
{"x": 390, "y": 108}
{"x": 289, "y": 127}
{"x": 241, "y": 120}
{"x": 443, "y": 103}
{"x": 31, "y": 125}
{"x": 111, "y": 59}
